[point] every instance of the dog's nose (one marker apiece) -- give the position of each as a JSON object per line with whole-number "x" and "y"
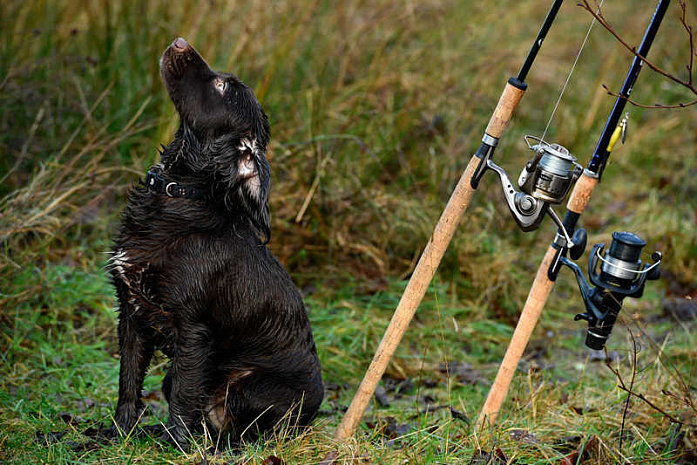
{"x": 180, "y": 44}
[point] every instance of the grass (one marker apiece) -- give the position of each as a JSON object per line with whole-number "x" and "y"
{"x": 375, "y": 110}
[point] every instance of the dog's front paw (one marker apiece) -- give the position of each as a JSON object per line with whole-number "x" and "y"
{"x": 126, "y": 417}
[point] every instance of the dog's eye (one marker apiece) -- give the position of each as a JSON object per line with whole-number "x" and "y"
{"x": 220, "y": 85}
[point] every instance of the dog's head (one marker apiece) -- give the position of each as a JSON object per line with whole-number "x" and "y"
{"x": 224, "y": 131}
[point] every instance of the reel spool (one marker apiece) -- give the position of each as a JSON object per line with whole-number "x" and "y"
{"x": 621, "y": 274}
{"x": 621, "y": 270}
{"x": 551, "y": 172}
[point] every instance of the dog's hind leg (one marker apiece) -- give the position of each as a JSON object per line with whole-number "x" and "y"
{"x": 263, "y": 404}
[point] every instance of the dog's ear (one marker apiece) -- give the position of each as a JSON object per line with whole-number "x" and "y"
{"x": 258, "y": 195}
{"x": 243, "y": 179}
{"x": 260, "y": 218}
{"x": 255, "y": 197}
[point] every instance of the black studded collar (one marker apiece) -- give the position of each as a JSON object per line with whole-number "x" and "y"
{"x": 156, "y": 181}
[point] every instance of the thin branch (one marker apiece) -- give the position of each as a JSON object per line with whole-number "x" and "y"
{"x": 688, "y": 29}
{"x": 630, "y": 391}
{"x": 688, "y": 84}
{"x": 666, "y": 364}
{"x": 598, "y": 15}
{"x": 658, "y": 106}
{"x": 656, "y": 407}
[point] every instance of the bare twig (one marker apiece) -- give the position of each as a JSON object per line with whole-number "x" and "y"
{"x": 655, "y": 105}
{"x": 654, "y": 406}
{"x": 685, "y": 389}
{"x": 688, "y": 29}
{"x": 630, "y": 391}
{"x": 687, "y": 83}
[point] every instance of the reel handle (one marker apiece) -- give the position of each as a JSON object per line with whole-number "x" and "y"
{"x": 527, "y": 211}
{"x": 580, "y": 239}
{"x": 587, "y": 294}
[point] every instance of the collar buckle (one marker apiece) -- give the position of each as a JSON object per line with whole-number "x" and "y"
{"x": 168, "y": 188}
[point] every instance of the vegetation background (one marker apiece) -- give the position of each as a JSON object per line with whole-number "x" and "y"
{"x": 375, "y": 108}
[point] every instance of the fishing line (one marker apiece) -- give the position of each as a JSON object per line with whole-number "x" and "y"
{"x": 547, "y": 176}
{"x": 571, "y": 72}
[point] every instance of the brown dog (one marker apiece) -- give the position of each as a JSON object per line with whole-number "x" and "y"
{"x": 195, "y": 279}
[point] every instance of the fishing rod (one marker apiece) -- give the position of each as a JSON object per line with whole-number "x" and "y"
{"x": 622, "y": 273}
{"x": 442, "y": 235}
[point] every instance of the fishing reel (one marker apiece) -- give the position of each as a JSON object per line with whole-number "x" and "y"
{"x": 616, "y": 274}
{"x": 545, "y": 180}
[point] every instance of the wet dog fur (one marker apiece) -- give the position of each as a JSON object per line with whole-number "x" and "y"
{"x": 195, "y": 279}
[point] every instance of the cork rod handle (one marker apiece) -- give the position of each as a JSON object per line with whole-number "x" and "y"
{"x": 581, "y": 195}
{"x": 504, "y": 110}
{"x": 414, "y": 292}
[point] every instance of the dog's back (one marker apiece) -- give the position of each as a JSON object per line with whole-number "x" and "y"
{"x": 195, "y": 279}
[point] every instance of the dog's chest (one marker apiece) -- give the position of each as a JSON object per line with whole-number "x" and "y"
{"x": 136, "y": 276}
{"x": 130, "y": 269}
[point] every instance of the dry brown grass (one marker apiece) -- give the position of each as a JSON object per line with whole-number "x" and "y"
{"x": 375, "y": 109}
